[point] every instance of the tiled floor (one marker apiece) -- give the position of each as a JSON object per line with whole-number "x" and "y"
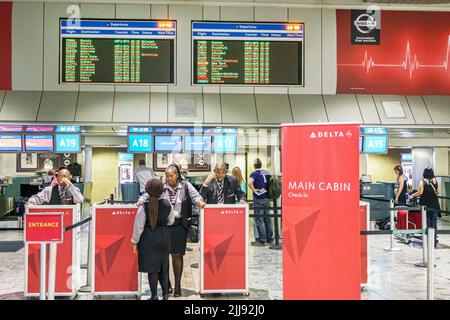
{"x": 393, "y": 274}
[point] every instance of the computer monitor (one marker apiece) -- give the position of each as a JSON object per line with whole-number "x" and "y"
{"x": 28, "y": 190}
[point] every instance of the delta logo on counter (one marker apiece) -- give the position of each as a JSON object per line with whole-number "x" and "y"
{"x": 123, "y": 213}
{"x": 330, "y": 134}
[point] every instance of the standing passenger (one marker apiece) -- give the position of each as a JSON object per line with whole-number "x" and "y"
{"x": 142, "y": 174}
{"x": 259, "y": 184}
{"x": 400, "y": 186}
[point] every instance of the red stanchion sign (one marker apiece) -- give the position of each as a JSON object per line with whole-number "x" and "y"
{"x": 114, "y": 266}
{"x": 223, "y": 249}
{"x": 67, "y": 259}
{"x": 320, "y": 200}
{"x": 44, "y": 227}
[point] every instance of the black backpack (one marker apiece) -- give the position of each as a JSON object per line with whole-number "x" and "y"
{"x": 274, "y": 188}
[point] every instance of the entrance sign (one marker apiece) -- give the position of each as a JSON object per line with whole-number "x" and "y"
{"x": 44, "y": 227}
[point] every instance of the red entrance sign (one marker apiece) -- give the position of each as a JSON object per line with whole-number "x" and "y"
{"x": 320, "y": 200}
{"x": 44, "y": 227}
{"x": 223, "y": 249}
{"x": 67, "y": 259}
{"x": 114, "y": 266}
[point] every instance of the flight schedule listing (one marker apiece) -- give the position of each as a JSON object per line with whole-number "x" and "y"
{"x": 247, "y": 54}
{"x": 110, "y": 51}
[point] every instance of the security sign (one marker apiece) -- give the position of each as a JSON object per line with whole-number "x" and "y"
{"x": 44, "y": 227}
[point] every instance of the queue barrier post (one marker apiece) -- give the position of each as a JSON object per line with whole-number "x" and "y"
{"x": 52, "y": 271}
{"x": 392, "y": 227}
{"x": 275, "y": 223}
{"x": 430, "y": 265}
{"x": 423, "y": 264}
{"x": 42, "y": 273}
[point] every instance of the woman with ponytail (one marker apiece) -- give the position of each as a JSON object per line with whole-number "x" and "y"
{"x": 151, "y": 241}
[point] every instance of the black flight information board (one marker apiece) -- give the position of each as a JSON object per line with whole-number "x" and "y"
{"x": 241, "y": 53}
{"x": 117, "y": 52}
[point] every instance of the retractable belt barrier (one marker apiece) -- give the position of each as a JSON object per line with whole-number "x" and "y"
{"x": 79, "y": 224}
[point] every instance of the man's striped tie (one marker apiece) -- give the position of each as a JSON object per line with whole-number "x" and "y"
{"x": 220, "y": 193}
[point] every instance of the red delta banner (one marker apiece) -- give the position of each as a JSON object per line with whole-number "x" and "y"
{"x": 412, "y": 56}
{"x": 43, "y": 228}
{"x": 364, "y": 210}
{"x": 67, "y": 255}
{"x": 223, "y": 249}
{"x": 320, "y": 200}
{"x": 5, "y": 45}
{"x": 114, "y": 268}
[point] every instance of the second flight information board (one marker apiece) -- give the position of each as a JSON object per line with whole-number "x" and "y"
{"x": 116, "y": 51}
{"x": 247, "y": 53}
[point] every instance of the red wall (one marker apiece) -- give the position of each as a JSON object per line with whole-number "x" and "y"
{"x": 5, "y": 45}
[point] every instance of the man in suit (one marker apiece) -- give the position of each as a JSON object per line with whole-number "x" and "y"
{"x": 220, "y": 188}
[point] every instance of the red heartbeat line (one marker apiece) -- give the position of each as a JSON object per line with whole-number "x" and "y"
{"x": 410, "y": 62}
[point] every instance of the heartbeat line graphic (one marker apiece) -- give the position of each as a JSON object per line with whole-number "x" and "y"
{"x": 410, "y": 62}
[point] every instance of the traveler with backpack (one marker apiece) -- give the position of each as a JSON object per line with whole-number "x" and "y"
{"x": 259, "y": 184}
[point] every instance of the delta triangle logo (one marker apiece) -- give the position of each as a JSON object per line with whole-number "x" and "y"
{"x": 106, "y": 250}
{"x": 297, "y": 231}
{"x": 313, "y": 135}
{"x": 216, "y": 248}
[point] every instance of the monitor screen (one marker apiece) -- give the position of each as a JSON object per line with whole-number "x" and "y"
{"x": 140, "y": 143}
{"x": 69, "y": 129}
{"x": 375, "y": 144}
{"x": 38, "y": 142}
{"x": 11, "y": 143}
{"x": 40, "y": 129}
{"x": 11, "y": 128}
{"x": 117, "y": 51}
{"x": 225, "y": 144}
{"x": 168, "y": 144}
{"x": 68, "y": 143}
{"x": 197, "y": 144}
{"x": 247, "y": 53}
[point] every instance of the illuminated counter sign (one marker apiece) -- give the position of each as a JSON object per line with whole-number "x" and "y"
{"x": 140, "y": 129}
{"x": 70, "y": 129}
{"x": 68, "y": 143}
{"x": 117, "y": 51}
{"x": 11, "y": 128}
{"x": 139, "y": 143}
{"x": 168, "y": 144}
{"x": 40, "y": 129}
{"x": 199, "y": 144}
{"x": 375, "y": 144}
{"x": 370, "y": 131}
{"x": 247, "y": 53}
{"x": 38, "y": 142}
{"x": 11, "y": 143}
{"x": 225, "y": 144}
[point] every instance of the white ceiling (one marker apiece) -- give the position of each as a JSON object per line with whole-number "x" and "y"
{"x": 426, "y": 5}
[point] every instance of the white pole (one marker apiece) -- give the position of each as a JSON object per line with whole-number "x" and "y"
{"x": 424, "y": 236}
{"x": 392, "y": 227}
{"x": 42, "y": 271}
{"x": 52, "y": 272}
{"x": 430, "y": 267}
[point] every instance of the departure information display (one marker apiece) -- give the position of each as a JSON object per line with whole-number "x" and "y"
{"x": 116, "y": 51}
{"x": 10, "y": 143}
{"x": 39, "y": 143}
{"x": 247, "y": 53}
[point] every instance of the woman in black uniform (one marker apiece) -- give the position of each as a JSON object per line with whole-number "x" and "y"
{"x": 181, "y": 195}
{"x": 428, "y": 193}
{"x": 151, "y": 238}
{"x": 400, "y": 186}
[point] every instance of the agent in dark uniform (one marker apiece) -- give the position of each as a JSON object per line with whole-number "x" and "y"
{"x": 428, "y": 193}
{"x": 64, "y": 192}
{"x": 181, "y": 196}
{"x": 151, "y": 238}
{"x": 220, "y": 188}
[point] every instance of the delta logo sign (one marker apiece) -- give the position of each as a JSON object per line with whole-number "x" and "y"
{"x": 330, "y": 134}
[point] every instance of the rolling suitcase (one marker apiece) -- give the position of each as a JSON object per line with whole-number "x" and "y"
{"x": 414, "y": 220}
